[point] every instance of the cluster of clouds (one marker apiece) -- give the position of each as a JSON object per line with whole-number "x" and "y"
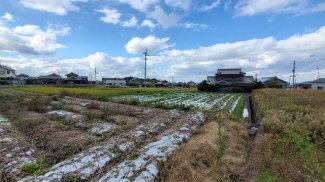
{"x": 256, "y": 56}
{"x": 31, "y": 39}
{"x": 156, "y": 15}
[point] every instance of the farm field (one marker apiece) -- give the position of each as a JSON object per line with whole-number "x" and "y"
{"x": 97, "y": 90}
{"x": 64, "y": 138}
{"x": 292, "y": 145}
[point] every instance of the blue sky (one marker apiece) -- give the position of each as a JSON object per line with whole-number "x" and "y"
{"x": 187, "y": 39}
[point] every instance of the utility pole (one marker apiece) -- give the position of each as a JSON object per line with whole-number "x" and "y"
{"x": 96, "y": 75}
{"x": 317, "y": 73}
{"x": 256, "y": 77}
{"x": 145, "y": 69}
{"x": 293, "y": 73}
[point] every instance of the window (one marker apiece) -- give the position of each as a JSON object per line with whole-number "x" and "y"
{"x": 2, "y": 72}
{"x": 8, "y": 72}
{"x": 319, "y": 88}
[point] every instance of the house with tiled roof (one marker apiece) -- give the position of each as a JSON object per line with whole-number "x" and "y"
{"x": 231, "y": 77}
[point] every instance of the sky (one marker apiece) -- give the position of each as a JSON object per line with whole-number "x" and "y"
{"x": 186, "y": 39}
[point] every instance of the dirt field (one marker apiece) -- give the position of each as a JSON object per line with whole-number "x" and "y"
{"x": 62, "y": 138}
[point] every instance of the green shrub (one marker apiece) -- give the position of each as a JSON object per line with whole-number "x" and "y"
{"x": 133, "y": 156}
{"x": 134, "y": 102}
{"x": 38, "y": 104}
{"x": 194, "y": 163}
{"x": 30, "y": 168}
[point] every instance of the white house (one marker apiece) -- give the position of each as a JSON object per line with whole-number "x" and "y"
{"x": 114, "y": 82}
{"x": 6, "y": 72}
{"x": 318, "y": 84}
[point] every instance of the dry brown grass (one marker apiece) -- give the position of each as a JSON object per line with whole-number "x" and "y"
{"x": 197, "y": 160}
{"x": 293, "y": 143}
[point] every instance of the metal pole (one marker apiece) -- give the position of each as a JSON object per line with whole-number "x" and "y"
{"x": 145, "y": 69}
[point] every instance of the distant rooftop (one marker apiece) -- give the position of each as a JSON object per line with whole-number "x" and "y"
{"x": 6, "y": 68}
{"x": 319, "y": 80}
{"x": 234, "y": 71}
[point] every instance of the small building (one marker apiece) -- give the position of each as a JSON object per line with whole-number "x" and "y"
{"x": 49, "y": 79}
{"x": 231, "y": 77}
{"x": 23, "y": 77}
{"x": 73, "y": 78}
{"x": 6, "y": 72}
{"x": 318, "y": 84}
{"x": 191, "y": 84}
{"x": 114, "y": 82}
{"x": 274, "y": 82}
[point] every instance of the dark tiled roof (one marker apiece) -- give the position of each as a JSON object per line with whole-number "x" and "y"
{"x": 6, "y": 68}
{"x": 266, "y": 79}
{"x": 112, "y": 79}
{"x": 319, "y": 80}
{"x": 230, "y": 71}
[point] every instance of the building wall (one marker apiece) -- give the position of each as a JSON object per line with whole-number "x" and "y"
{"x": 315, "y": 86}
{"x": 115, "y": 82}
{"x": 212, "y": 79}
{"x": 4, "y": 73}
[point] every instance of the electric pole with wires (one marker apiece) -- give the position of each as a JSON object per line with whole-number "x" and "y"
{"x": 145, "y": 69}
{"x": 293, "y": 73}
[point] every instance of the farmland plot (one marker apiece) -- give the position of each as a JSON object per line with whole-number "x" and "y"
{"x": 67, "y": 138}
{"x": 196, "y": 100}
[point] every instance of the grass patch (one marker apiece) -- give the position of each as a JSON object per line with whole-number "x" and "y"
{"x": 133, "y": 156}
{"x": 194, "y": 163}
{"x": 37, "y": 104}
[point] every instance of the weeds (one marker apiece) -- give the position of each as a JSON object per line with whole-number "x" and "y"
{"x": 37, "y": 104}
{"x": 194, "y": 163}
{"x": 133, "y": 156}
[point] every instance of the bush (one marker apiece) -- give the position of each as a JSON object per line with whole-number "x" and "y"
{"x": 134, "y": 102}
{"x": 30, "y": 168}
{"x": 38, "y": 105}
{"x": 205, "y": 87}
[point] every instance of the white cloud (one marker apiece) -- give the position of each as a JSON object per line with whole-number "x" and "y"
{"x": 141, "y": 5}
{"x": 59, "y": 7}
{"x": 267, "y": 57}
{"x": 138, "y": 45}
{"x": 111, "y": 15}
{"x": 227, "y": 5}
{"x": 183, "y": 4}
{"x": 130, "y": 23}
{"x": 58, "y": 29}
{"x": 107, "y": 66}
{"x": 8, "y": 17}
{"x": 297, "y": 7}
{"x": 148, "y": 23}
{"x": 196, "y": 26}
{"x": 210, "y": 7}
{"x": 28, "y": 39}
{"x": 164, "y": 19}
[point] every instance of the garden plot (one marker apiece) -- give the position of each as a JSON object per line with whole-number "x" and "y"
{"x": 91, "y": 161}
{"x": 14, "y": 151}
{"x": 192, "y": 99}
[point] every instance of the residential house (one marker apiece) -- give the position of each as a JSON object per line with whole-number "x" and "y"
{"x": 49, "y": 79}
{"x": 73, "y": 78}
{"x": 318, "y": 84}
{"x": 6, "y": 72}
{"x": 274, "y": 82}
{"x": 231, "y": 77}
{"x": 114, "y": 82}
{"x": 191, "y": 84}
{"x": 23, "y": 77}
